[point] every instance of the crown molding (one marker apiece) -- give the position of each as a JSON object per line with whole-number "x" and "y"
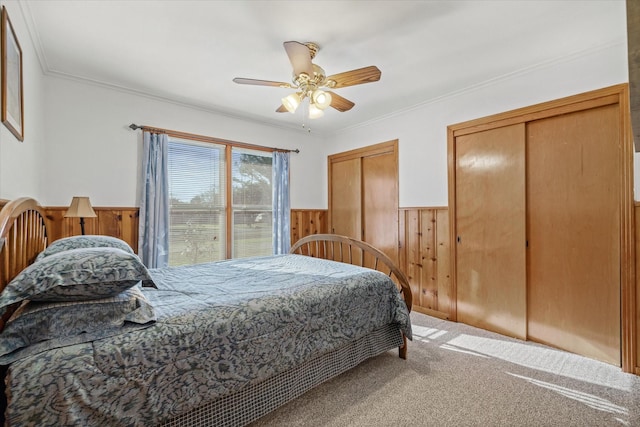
{"x": 48, "y": 71}
{"x": 484, "y": 84}
{"x": 27, "y": 17}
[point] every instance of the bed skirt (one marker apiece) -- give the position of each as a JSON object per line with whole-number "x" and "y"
{"x": 256, "y": 400}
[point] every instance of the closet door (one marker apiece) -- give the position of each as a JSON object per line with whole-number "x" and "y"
{"x": 573, "y": 186}
{"x": 363, "y": 195}
{"x": 380, "y": 203}
{"x": 490, "y": 228}
{"x": 346, "y": 198}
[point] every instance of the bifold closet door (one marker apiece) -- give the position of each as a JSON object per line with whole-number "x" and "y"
{"x": 363, "y": 196}
{"x": 573, "y": 214}
{"x": 380, "y": 201}
{"x": 490, "y": 228}
{"x": 346, "y": 198}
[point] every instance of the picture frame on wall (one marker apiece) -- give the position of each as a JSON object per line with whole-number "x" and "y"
{"x": 12, "y": 94}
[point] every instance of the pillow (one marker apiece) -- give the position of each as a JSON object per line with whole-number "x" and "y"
{"x": 76, "y": 274}
{"x": 72, "y": 322}
{"x": 78, "y": 242}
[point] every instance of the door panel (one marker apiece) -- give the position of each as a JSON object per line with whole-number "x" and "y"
{"x": 573, "y": 164}
{"x": 380, "y": 203}
{"x": 490, "y": 226}
{"x": 346, "y": 201}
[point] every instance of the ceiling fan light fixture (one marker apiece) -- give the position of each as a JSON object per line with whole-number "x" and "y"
{"x": 291, "y": 102}
{"x": 315, "y": 112}
{"x": 309, "y": 80}
{"x": 321, "y": 99}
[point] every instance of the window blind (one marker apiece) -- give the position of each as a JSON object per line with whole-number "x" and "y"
{"x": 198, "y": 197}
{"x": 197, "y": 200}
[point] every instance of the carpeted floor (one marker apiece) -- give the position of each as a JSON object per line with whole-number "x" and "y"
{"x": 457, "y": 375}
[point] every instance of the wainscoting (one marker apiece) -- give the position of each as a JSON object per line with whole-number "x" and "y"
{"x": 123, "y": 223}
{"x": 424, "y": 256}
{"x": 305, "y": 222}
{"x": 116, "y": 222}
{"x": 423, "y": 243}
{"x": 424, "y": 247}
{"x": 111, "y": 221}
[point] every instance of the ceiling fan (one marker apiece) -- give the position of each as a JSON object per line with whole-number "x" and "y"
{"x": 309, "y": 81}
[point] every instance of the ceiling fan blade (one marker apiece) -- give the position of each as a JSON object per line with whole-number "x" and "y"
{"x": 243, "y": 81}
{"x": 354, "y": 77}
{"x": 281, "y": 109}
{"x": 300, "y": 57}
{"x": 339, "y": 103}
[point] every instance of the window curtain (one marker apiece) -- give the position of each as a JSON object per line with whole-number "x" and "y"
{"x": 153, "y": 243}
{"x": 281, "y": 205}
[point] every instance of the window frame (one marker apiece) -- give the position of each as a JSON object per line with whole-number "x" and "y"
{"x": 228, "y": 152}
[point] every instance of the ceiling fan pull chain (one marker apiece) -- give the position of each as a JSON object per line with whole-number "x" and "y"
{"x": 305, "y": 114}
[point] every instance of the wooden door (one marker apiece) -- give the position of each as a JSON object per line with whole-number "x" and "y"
{"x": 363, "y": 195}
{"x": 573, "y": 189}
{"x": 380, "y": 203}
{"x": 346, "y": 198}
{"x": 490, "y": 228}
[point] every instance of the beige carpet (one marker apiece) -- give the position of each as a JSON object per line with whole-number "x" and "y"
{"x": 457, "y": 375}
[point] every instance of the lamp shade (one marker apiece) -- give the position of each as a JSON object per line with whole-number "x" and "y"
{"x": 291, "y": 102}
{"x": 80, "y": 208}
{"x": 315, "y": 112}
{"x": 321, "y": 99}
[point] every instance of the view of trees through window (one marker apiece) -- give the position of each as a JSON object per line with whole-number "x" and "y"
{"x": 252, "y": 206}
{"x": 198, "y": 191}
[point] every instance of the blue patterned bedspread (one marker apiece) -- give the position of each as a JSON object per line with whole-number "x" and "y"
{"x": 220, "y": 326}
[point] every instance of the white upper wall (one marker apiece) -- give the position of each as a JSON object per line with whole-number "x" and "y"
{"x": 21, "y": 162}
{"x": 78, "y": 141}
{"x": 422, "y": 132}
{"x": 92, "y": 152}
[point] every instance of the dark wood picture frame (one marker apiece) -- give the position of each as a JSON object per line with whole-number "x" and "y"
{"x": 12, "y": 94}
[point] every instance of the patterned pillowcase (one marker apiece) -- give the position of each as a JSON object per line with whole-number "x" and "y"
{"x": 75, "y": 275}
{"x": 85, "y": 241}
{"x": 53, "y": 324}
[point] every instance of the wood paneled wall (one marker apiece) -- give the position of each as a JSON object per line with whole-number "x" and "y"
{"x": 123, "y": 223}
{"x": 111, "y": 221}
{"x": 305, "y": 222}
{"x": 424, "y": 252}
{"x": 423, "y": 238}
{"x": 424, "y": 257}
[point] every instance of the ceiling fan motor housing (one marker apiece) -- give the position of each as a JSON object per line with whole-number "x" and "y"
{"x": 308, "y": 84}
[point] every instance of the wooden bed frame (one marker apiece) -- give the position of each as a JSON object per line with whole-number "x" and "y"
{"x": 23, "y": 235}
{"x": 351, "y": 251}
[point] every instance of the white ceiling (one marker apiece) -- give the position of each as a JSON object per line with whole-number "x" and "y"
{"x": 189, "y": 51}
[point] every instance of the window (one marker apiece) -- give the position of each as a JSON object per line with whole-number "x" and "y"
{"x": 220, "y": 202}
{"x": 251, "y": 203}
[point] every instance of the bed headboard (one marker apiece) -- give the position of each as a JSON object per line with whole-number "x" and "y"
{"x": 23, "y": 235}
{"x": 353, "y": 251}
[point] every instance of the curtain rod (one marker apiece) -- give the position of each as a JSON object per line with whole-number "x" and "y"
{"x": 203, "y": 138}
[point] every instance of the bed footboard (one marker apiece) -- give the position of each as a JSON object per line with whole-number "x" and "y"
{"x": 352, "y": 251}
